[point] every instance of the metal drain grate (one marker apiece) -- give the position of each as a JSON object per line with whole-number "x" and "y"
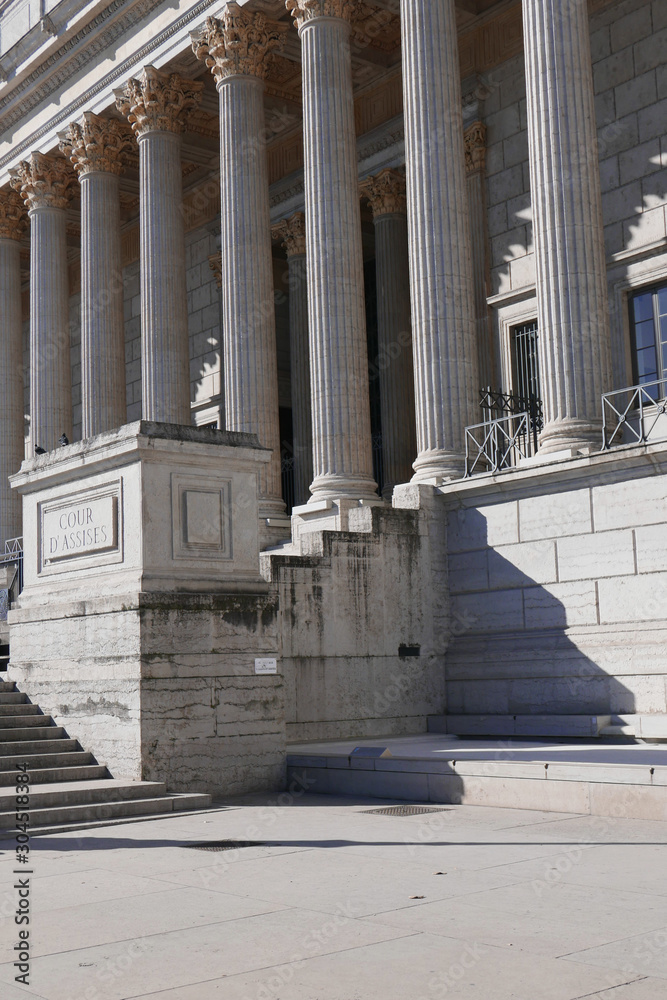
{"x": 403, "y": 811}
{"x": 225, "y": 845}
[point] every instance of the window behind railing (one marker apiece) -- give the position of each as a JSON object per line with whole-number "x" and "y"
{"x": 648, "y": 329}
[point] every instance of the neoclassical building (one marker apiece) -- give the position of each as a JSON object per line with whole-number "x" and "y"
{"x": 332, "y": 354}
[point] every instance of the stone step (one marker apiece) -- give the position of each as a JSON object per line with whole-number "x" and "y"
{"x": 643, "y": 727}
{"x": 73, "y": 793}
{"x": 68, "y": 756}
{"x": 18, "y": 708}
{"x": 47, "y": 732}
{"x": 8, "y": 722}
{"x": 8, "y": 686}
{"x": 23, "y": 749}
{"x": 519, "y": 725}
{"x": 40, "y": 818}
{"x": 10, "y": 697}
{"x": 49, "y": 775}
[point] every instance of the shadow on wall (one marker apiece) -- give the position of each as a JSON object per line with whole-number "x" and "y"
{"x": 522, "y": 642}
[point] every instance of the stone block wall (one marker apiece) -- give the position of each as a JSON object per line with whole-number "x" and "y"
{"x": 364, "y": 624}
{"x": 628, "y": 44}
{"x": 559, "y": 593}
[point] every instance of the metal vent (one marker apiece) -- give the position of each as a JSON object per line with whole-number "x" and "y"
{"x": 403, "y": 811}
{"x": 225, "y": 845}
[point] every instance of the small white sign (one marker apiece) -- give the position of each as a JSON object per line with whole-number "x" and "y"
{"x": 266, "y": 666}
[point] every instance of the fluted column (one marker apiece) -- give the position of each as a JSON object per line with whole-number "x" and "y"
{"x": 475, "y": 153}
{"x": 386, "y": 193}
{"x": 12, "y": 226}
{"x": 441, "y": 280}
{"x": 44, "y": 183}
{"x": 236, "y": 47}
{"x": 292, "y": 233}
{"x": 94, "y": 147}
{"x": 575, "y": 352}
{"x": 155, "y": 105}
{"x": 342, "y": 451}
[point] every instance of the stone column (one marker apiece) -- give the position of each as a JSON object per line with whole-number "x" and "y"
{"x": 342, "y": 451}
{"x": 292, "y": 233}
{"x": 12, "y": 226}
{"x": 94, "y": 146}
{"x": 386, "y": 193}
{"x": 441, "y": 277}
{"x": 45, "y": 184}
{"x": 575, "y": 352}
{"x": 236, "y": 48}
{"x": 475, "y": 154}
{"x": 155, "y": 105}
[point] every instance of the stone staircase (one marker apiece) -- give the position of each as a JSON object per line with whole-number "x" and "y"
{"x": 67, "y": 785}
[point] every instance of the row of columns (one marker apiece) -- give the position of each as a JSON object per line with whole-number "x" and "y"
{"x": 567, "y": 233}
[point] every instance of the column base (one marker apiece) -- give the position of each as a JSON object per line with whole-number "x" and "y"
{"x": 340, "y": 514}
{"x": 336, "y": 487}
{"x": 438, "y": 467}
{"x": 571, "y": 436}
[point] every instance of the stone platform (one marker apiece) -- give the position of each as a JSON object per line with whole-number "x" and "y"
{"x": 605, "y": 779}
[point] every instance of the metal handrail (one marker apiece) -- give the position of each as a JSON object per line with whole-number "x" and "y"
{"x": 619, "y": 421}
{"x": 503, "y": 443}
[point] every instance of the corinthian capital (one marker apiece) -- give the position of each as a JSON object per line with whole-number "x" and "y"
{"x": 475, "y": 147}
{"x": 292, "y": 234}
{"x": 386, "y": 192}
{"x": 13, "y": 219}
{"x": 308, "y": 10}
{"x": 157, "y": 102}
{"x": 215, "y": 263}
{"x": 238, "y": 43}
{"x": 43, "y": 181}
{"x": 95, "y": 143}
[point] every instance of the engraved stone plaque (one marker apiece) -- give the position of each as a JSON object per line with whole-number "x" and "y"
{"x": 78, "y": 526}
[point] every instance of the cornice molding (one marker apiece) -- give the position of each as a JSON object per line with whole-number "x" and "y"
{"x": 117, "y": 76}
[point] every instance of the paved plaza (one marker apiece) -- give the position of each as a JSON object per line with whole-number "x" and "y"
{"x": 340, "y": 904}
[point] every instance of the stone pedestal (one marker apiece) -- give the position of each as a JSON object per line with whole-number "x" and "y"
{"x": 94, "y": 146}
{"x": 12, "y": 226}
{"x": 154, "y": 104}
{"x": 44, "y": 183}
{"x": 441, "y": 276}
{"x": 342, "y": 456}
{"x": 143, "y": 610}
{"x": 572, "y": 304}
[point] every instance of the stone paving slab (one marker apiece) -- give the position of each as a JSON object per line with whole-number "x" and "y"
{"x": 339, "y": 904}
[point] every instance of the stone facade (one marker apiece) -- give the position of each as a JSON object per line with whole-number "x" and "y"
{"x": 325, "y": 224}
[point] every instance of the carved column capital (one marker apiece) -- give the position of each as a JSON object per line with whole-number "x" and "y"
{"x": 95, "y": 143}
{"x": 13, "y": 218}
{"x": 386, "y": 192}
{"x": 156, "y": 102}
{"x": 43, "y": 181}
{"x": 292, "y": 234}
{"x": 215, "y": 263}
{"x": 238, "y": 43}
{"x": 308, "y": 10}
{"x": 475, "y": 147}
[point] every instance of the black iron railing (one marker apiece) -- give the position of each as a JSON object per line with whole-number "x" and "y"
{"x": 498, "y": 444}
{"x": 635, "y": 414}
